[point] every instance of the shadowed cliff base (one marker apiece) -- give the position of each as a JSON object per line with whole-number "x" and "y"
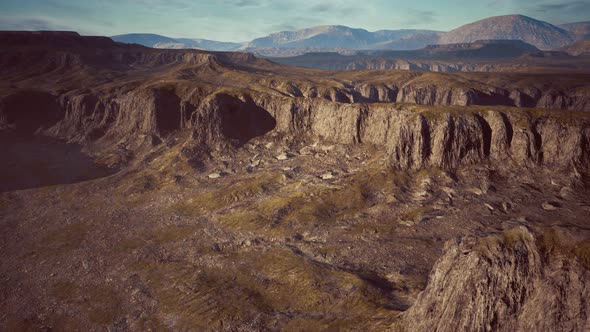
{"x": 36, "y": 161}
{"x": 28, "y": 111}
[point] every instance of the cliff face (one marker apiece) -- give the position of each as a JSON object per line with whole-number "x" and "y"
{"x": 415, "y": 137}
{"x": 510, "y": 282}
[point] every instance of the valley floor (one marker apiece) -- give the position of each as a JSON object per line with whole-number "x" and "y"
{"x": 276, "y": 236}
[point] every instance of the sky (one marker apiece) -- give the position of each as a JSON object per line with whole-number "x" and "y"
{"x": 243, "y": 20}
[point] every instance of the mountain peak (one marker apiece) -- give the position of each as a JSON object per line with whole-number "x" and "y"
{"x": 519, "y": 27}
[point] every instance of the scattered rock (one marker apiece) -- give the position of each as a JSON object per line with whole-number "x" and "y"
{"x": 550, "y": 206}
{"x": 327, "y": 148}
{"x": 565, "y": 192}
{"x": 327, "y": 176}
{"x": 475, "y": 191}
{"x": 506, "y": 206}
{"x": 449, "y": 191}
{"x": 282, "y": 156}
{"x": 421, "y": 194}
{"x": 408, "y": 223}
{"x": 214, "y": 176}
{"x": 306, "y": 151}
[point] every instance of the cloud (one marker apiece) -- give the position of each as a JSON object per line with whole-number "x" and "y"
{"x": 413, "y": 17}
{"x": 170, "y": 4}
{"x": 244, "y": 3}
{"x": 31, "y": 23}
{"x": 553, "y": 11}
{"x": 336, "y": 8}
{"x": 564, "y": 6}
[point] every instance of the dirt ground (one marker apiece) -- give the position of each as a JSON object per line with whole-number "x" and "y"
{"x": 272, "y": 236}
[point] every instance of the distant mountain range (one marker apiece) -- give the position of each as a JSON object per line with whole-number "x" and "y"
{"x": 580, "y": 30}
{"x": 442, "y": 57}
{"x": 337, "y": 36}
{"x": 341, "y": 39}
{"x": 158, "y": 41}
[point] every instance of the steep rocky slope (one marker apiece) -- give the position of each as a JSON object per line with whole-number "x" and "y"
{"x": 514, "y": 281}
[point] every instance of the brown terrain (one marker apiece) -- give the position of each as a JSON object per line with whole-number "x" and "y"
{"x": 479, "y": 56}
{"x": 146, "y": 189}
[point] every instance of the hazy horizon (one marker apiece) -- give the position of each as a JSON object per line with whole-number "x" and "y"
{"x": 242, "y": 20}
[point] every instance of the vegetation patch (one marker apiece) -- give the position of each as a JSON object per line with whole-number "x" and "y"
{"x": 237, "y": 192}
{"x": 261, "y": 286}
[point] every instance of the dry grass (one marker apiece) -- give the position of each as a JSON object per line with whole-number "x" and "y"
{"x": 299, "y": 206}
{"x": 217, "y": 199}
{"x": 261, "y": 286}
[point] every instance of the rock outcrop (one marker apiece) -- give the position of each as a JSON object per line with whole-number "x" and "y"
{"x": 515, "y": 281}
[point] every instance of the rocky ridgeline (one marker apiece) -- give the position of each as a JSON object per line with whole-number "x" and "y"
{"x": 515, "y": 281}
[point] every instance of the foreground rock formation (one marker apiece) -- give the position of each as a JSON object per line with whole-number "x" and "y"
{"x": 247, "y": 195}
{"x": 514, "y": 281}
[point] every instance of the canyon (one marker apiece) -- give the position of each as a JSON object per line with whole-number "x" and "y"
{"x": 236, "y": 193}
